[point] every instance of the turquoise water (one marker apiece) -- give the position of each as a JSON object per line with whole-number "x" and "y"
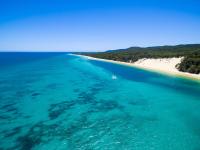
{"x": 62, "y": 102}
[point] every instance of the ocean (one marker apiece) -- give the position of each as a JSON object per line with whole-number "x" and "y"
{"x": 56, "y": 101}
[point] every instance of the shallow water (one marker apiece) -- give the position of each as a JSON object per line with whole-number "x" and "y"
{"x": 56, "y": 101}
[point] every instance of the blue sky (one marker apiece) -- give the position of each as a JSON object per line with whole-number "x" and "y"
{"x": 96, "y": 25}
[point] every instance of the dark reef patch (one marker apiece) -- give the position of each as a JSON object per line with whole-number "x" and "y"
{"x": 35, "y": 94}
{"x": 12, "y": 132}
{"x": 97, "y": 87}
{"x": 28, "y": 142}
{"x": 85, "y": 98}
{"x": 7, "y": 105}
{"x": 10, "y": 108}
{"x": 34, "y": 136}
{"x": 56, "y": 110}
{"x": 105, "y": 106}
{"x": 4, "y": 117}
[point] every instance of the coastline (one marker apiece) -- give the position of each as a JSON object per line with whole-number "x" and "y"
{"x": 137, "y": 65}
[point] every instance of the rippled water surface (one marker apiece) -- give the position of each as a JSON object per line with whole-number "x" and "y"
{"x": 55, "y": 101}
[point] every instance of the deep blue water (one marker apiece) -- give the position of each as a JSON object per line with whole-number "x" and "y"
{"x": 56, "y": 101}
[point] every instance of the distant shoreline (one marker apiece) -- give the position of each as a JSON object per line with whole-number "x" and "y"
{"x": 168, "y": 71}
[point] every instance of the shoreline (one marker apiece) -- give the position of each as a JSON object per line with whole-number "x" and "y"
{"x": 194, "y": 77}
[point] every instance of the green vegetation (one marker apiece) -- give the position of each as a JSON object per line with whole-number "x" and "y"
{"x": 190, "y": 63}
{"x": 190, "y": 52}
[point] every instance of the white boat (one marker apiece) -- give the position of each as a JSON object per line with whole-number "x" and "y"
{"x": 114, "y": 77}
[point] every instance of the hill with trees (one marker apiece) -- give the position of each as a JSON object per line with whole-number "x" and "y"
{"x": 190, "y": 52}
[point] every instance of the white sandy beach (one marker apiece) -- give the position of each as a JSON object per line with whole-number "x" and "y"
{"x": 163, "y": 65}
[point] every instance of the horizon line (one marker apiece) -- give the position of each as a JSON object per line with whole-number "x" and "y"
{"x": 71, "y": 51}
